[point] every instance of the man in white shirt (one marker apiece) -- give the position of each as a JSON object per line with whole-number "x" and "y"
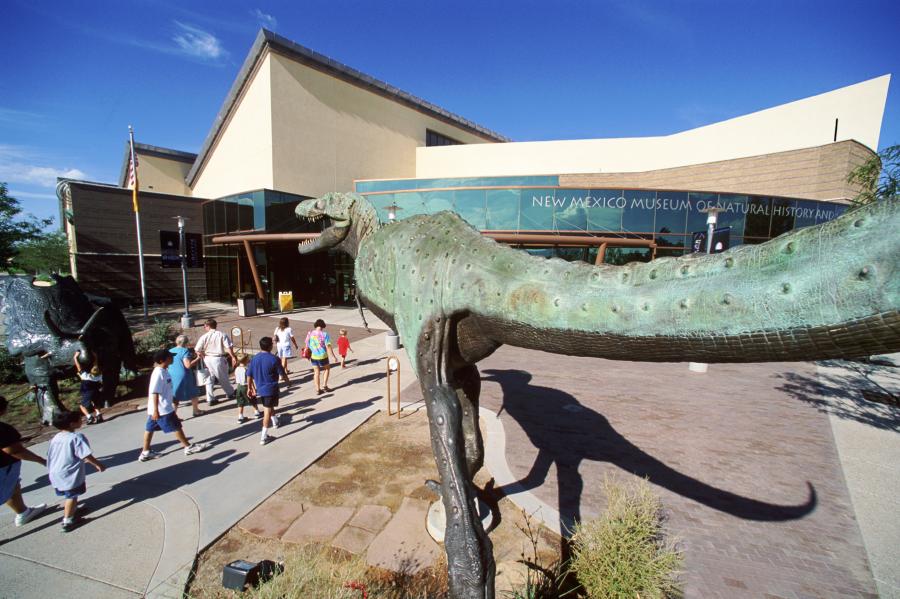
{"x": 216, "y": 348}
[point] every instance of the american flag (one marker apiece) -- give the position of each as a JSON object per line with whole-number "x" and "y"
{"x": 133, "y": 163}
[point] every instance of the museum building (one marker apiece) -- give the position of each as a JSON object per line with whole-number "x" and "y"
{"x": 297, "y": 124}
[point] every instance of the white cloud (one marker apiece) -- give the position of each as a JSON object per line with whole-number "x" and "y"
{"x": 266, "y": 20}
{"x": 196, "y": 42}
{"x": 28, "y": 195}
{"x": 19, "y": 166}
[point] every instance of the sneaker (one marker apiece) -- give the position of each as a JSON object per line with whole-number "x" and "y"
{"x": 242, "y": 419}
{"x": 265, "y": 440}
{"x": 146, "y": 456}
{"x": 257, "y": 415}
{"x": 30, "y": 514}
{"x": 274, "y": 420}
{"x": 69, "y": 525}
{"x": 213, "y": 402}
{"x": 90, "y": 420}
{"x": 195, "y": 448}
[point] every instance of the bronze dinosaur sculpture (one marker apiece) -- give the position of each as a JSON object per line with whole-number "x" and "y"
{"x": 829, "y": 291}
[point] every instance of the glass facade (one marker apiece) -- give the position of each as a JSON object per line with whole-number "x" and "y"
{"x": 533, "y": 204}
{"x": 538, "y": 204}
{"x": 315, "y": 279}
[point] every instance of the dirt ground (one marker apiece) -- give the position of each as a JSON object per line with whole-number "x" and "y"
{"x": 380, "y": 463}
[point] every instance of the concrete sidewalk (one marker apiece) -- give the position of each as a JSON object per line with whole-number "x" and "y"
{"x": 148, "y": 521}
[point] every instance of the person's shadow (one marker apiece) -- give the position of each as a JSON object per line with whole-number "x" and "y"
{"x": 146, "y": 486}
{"x": 565, "y": 433}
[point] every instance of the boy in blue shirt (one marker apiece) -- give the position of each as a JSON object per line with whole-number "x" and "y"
{"x": 68, "y": 452}
{"x": 262, "y": 383}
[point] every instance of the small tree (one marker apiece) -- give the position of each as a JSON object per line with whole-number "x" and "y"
{"x": 43, "y": 254}
{"x": 878, "y": 178}
{"x": 13, "y": 232}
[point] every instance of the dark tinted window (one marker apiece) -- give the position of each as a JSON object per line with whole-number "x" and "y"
{"x": 758, "y": 216}
{"x": 433, "y": 138}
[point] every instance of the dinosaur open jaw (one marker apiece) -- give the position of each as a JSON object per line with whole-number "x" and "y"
{"x": 329, "y": 238}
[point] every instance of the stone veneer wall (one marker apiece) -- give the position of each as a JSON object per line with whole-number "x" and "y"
{"x": 818, "y": 173}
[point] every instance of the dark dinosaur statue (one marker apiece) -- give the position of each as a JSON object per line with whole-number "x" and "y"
{"x": 829, "y": 291}
{"x": 47, "y": 322}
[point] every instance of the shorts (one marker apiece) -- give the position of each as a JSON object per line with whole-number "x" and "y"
{"x": 269, "y": 401}
{"x": 167, "y": 423}
{"x": 320, "y": 363}
{"x": 72, "y": 493}
{"x": 285, "y": 352}
{"x": 241, "y": 397}
{"x": 9, "y": 478}
{"x": 90, "y": 395}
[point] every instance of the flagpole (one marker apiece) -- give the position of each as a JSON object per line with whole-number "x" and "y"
{"x": 137, "y": 218}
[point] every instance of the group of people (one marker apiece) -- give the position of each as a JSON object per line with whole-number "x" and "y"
{"x": 172, "y": 381}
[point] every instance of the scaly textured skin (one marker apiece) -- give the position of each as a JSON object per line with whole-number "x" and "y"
{"x": 46, "y": 326}
{"x": 830, "y": 291}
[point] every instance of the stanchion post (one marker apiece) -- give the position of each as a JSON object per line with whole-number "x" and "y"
{"x": 393, "y": 365}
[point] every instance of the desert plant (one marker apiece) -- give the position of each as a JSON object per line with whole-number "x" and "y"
{"x": 312, "y": 572}
{"x": 156, "y": 338}
{"x": 11, "y": 368}
{"x": 541, "y": 582}
{"x": 624, "y": 554}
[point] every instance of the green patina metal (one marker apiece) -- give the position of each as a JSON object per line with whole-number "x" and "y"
{"x": 828, "y": 291}
{"x": 814, "y": 279}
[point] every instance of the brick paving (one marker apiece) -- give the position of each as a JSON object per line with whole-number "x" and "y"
{"x": 748, "y": 474}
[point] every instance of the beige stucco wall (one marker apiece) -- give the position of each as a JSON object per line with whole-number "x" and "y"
{"x": 330, "y": 132}
{"x": 241, "y": 157}
{"x": 813, "y": 173}
{"x": 802, "y": 124}
{"x": 163, "y": 175}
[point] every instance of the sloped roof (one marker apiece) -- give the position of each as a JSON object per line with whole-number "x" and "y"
{"x": 269, "y": 40}
{"x": 147, "y": 149}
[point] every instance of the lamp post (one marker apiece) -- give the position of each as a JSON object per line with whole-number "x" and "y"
{"x": 392, "y": 212}
{"x": 187, "y": 321}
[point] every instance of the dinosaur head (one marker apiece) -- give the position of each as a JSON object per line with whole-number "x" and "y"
{"x": 336, "y": 207}
{"x": 349, "y": 219}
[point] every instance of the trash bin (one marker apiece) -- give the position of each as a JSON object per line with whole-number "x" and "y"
{"x": 392, "y": 341}
{"x": 247, "y": 304}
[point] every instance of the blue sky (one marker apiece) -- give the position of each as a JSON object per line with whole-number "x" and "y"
{"x": 76, "y": 74}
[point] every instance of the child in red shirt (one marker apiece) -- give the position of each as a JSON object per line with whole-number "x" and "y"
{"x": 343, "y": 345}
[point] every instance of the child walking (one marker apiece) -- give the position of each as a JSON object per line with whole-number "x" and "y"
{"x": 240, "y": 394}
{"x": 91, "y": 382}
{"x": 285, "y": 336}
{"x": 161, "y": 414}
{"x": 343, "y": 346}
{"x": 262, "y": 380}
{"x": 68, "y": 452}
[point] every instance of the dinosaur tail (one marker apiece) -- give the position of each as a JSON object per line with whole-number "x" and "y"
{"x": 829, "y": 291}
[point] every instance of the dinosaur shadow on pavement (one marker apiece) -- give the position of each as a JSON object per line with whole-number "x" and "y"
{"x": 567, "y": 433}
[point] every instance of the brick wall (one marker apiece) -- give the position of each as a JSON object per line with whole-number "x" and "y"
{"x": 105, "y": 245}
{"x": 818, "y": 173}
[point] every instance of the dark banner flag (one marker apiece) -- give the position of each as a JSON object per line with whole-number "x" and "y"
{"x": 194, "y": 243}
{"x": 168, "y": 244}
{"x": 171, "y": 254}
{"x": 720, "y": 242}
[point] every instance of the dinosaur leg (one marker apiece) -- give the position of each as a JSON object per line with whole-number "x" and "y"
{"x": 470, "y": 558}
{"x": 46, "y": 394}
{"x": 467, "y": 383}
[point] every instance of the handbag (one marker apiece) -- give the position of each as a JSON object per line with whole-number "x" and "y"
{"x": 306, "y": 353}
{"x": 202, "y": 375}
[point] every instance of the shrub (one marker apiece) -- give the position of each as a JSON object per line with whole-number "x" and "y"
{"x": 11, "y": 369}
{"x": 157, "y": 337}
{"x": 624, "y": 553}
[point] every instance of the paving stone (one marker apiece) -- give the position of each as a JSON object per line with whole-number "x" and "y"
{"x": 317, "y": 524}
{"x": 353, "y": 539}
{"x": 272, "y": 518}
{"x": 371, "y": 517}
{"x": 404, "y": 545}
